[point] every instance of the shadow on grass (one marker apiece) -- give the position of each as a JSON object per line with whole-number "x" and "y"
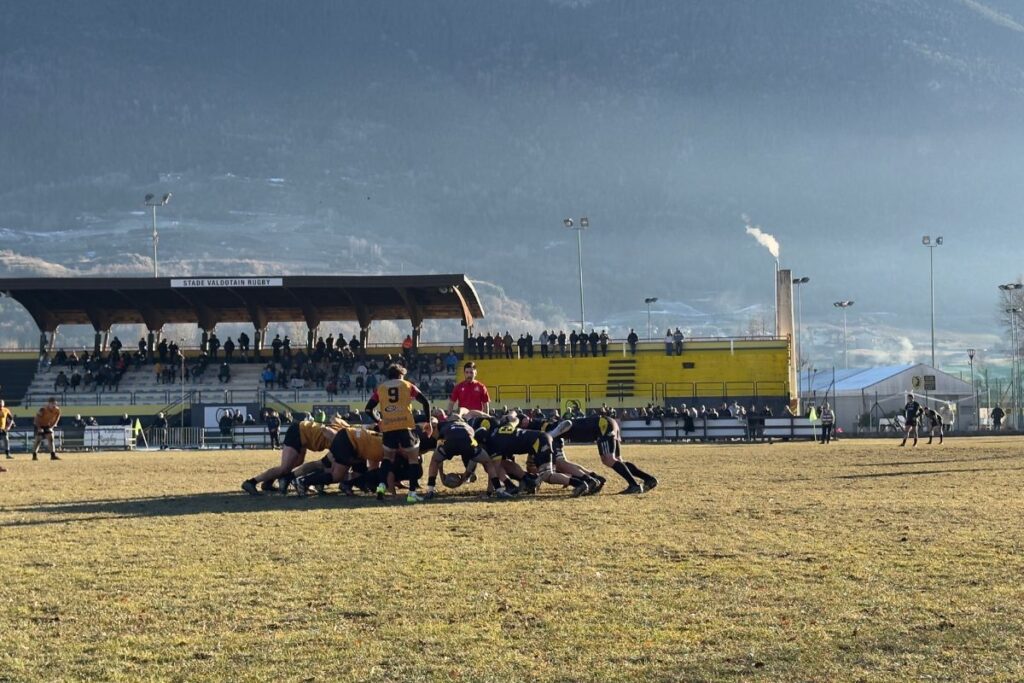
{"x": 922, "y": 472}
{"x": 222, "y": 502}
{"x": 904, "y": 463}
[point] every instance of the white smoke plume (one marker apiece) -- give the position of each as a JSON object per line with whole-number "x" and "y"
{"x": 764, "y": 239}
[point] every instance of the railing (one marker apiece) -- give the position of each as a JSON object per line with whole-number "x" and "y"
{"x": 142, "y": 397}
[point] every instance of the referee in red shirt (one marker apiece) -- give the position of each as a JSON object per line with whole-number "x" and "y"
{"x": 469, "y": 393}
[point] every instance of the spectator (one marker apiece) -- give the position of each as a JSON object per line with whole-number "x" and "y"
{"x": 267, "y": 376}
{"x": 158, "y": 432}
{"x": 604, "y": 342}
{"x": 276, "y": 347}
{"x": 243, "y": 345}
{"x": 371, "y": 382}
{"x": 529, "y": 345}
{"x": 632, "y": 339}
{"x": 521, "y": 343}
{"x": 224, "y": 376}
{"x": 78, "y": 422}
{"x": 355, "y": 345}
{"x": 507, "y": 342}
{"x": 489, "y": 345}
{"x": 572, "y": 343}
{"x": 61, "y": 383}
{"x": 451, "y": 360}
{"x": 226, "y": 423}
{"x": 543, "y": 344}
{"x": 273, "y": 423}
{"x": 213, "y": 343}
{"x": 677, "y": 342}
{"x": 158, "y": 371}
{"x": 76, "y": 380}
{"x": 595, "y": 338}
{"x": 142, "y": 347}
{"x": 91, "y": 422}
{"x": 561, "y": 343}
{"x": 125, "y": 421}
{"x": 407, "y": 349}
{"x": 329, "y": 344}
{"x": 229, "y": 350}
{"x": 161, "y": 350}
{"x": 670, "y": 342}
{"x": 997, "y": 416}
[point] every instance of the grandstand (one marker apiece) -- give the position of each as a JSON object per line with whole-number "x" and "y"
{"x": 709, "y": 371}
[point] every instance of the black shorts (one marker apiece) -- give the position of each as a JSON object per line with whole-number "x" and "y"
{"x": 44, "y": 430}
{"x": 911, "y": 423}
{"x": 400, "y": 438}
{"x": 462, "y": 445}
{"x": 293, "y": 438}
{"x": 606, "y": 444}
{"x": 343, "y": 452}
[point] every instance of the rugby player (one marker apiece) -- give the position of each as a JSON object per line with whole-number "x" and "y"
{"x": 455, "y": 437}
{"x": 300, "y": 438}
{"x": 911, "y": 414}
{"x": 935, "y": 424}
{"x": 508, "y": 441}
{"x": 604, "y": 431}
{"x": 6, "y": 424}
{"x": 397, "y": 424}
{"x": 45, "y": 421}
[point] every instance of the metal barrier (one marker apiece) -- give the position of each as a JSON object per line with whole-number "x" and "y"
{"x": 671, "y": 429}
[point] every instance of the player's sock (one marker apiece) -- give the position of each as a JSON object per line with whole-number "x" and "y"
{"x": 575, "y": 481}
{"x": 415, "y": 472}
{"x": 431, "y": 482}
{"x": 268, "y": 485}
{"x": 495, "y": 483}
{"x": 318, "y": 478}
{"x": 384, "y": 470}
{"x": 623, "y": 471}
{"x": 636, "y": 471}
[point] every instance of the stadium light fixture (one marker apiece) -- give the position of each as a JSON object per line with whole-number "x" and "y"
{"x": 649, "y": 300}
{"x": 584, "y": 223}
{"x": 1012, "y": 311}
{"x": 932, "y": 244}
{"x": 151, "y": 201}
{"x": 974, "y": 389}
{"x": 846, "y": 348}
{"x": 799, "y": 318}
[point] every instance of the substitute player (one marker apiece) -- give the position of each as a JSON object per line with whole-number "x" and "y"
{"x": 300, "y": 438}
{"x": 395, "y": 397}
{"x": 45, "y": 421}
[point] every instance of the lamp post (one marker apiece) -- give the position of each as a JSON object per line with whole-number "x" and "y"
{"x": 584, "y": 223}
{"x": 974, "y": 388}
{"x": 153, "y": 202}
{"x": 846, "y": 349}
{"x": 932, "y": 244}
{"x": 797, "y": 281}
{"x": 649, "y": 300}
{"x": 1009, "y": 288}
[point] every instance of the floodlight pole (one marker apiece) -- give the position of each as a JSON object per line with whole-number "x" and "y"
{"x": 579, "y": 227}
{"x": 153, "y": 202}
{"x": 974, "y": 389}
{"x": 932, "y": 244}
{"x": 797, "y": 281}
{"x": 649, "y": 300}
{"x": 846, "y": 347}
{"x": 1012, "y": 310}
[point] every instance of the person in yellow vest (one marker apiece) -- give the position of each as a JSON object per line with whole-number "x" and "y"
{"x": 6, "y": 424}
{"x": 45, "y": 421}
{"x": 300, "y": 438}
{"x": 395, "y": 397}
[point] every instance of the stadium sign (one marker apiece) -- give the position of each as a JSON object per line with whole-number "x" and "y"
{"x": 204, "y": 282}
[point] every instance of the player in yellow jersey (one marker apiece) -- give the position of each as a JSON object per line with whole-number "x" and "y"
{"x": 395, "y": 397}
{"x": 300, "y": 438}
{"x": 45, "y": 422}
{"x": 6, "y": 424}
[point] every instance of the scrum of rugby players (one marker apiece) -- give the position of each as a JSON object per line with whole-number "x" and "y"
{"x": 381, "y": 457}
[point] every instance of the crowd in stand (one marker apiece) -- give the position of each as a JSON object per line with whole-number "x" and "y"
{"x": 549, "y": 345}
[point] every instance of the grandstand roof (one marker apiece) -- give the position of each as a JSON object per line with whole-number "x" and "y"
{"x": 859, "y": 379}
{"x": 102, "y": 302}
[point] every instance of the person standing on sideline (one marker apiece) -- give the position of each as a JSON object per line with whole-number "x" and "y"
{"x": 6, "y": 424}
{"x": 45, "y": 422}
{"x": 469, "y": 393}
{"x": 828, "y": 420}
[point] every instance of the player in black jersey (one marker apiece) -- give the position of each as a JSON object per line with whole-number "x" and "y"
{"x": 509, "y": 441}
{"x": 455, "y": 437}
{"x": 911, "y": 415}
{"x": 935, "y": 424}
{"x": 562, "y": 464}
{"x": 604, "y": 431}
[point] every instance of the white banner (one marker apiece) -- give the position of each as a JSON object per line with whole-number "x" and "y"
{"x": 203, "y": 282}
{"x": 108, "y": 437}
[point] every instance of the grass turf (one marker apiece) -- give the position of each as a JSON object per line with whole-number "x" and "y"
{"x": 856, "y": 561}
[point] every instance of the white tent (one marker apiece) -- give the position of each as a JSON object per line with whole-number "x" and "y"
{"x": 862, "y": 397}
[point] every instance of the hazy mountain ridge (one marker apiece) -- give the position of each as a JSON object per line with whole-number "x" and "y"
{"x": 456, "y": 135}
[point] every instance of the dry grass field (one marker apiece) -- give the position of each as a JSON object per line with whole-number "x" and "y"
{"x": 792, "y": 562}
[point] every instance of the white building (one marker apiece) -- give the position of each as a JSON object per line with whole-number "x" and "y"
{"x": 862, "y": 397}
